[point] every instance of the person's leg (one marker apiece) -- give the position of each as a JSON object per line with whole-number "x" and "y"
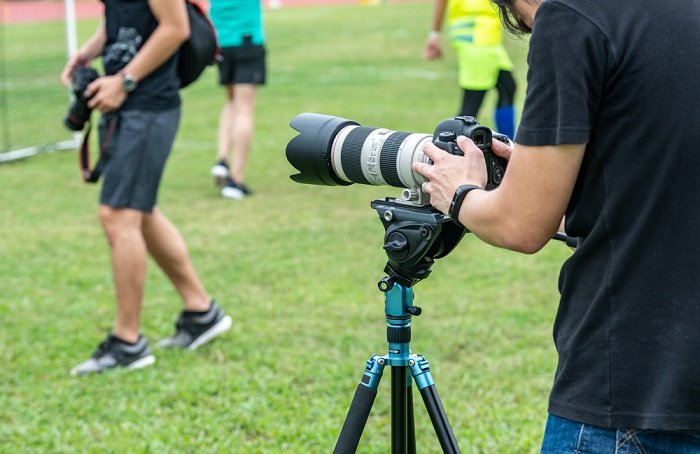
{"x": 128, "y": 249}
{"x": 202, "y": 319}
{"x": 168, "y": 249}
{"x": 225, "y": 126}
{"x": 471, "y": 102}
{"x": 505, "y": 112}
{"x": 242, "y": 124}
{"x": 227, "y": 68}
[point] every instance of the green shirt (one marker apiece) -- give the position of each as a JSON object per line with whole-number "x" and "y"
{"x": 234, "y": 19}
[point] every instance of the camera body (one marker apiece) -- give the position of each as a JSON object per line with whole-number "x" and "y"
{"x": 445, "y": 138}
{"x": 79, "y": 112}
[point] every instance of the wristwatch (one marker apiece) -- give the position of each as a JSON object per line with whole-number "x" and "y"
{"x": 457, "y": 200}
{"x": 129, "y": 83}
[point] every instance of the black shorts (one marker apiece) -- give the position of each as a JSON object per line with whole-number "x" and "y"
{"x": 243, "y": 64}
{"x": 136, "y": 153}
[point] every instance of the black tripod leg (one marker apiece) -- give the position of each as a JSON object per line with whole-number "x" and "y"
{"x": 398, "y": 410}
{"x": 355, "y": 421}
{"x": 360, "y": 408}
{"x": 420, "y": 371}
{"x": 439, "y": 419}
{"x": 410, "y": 419}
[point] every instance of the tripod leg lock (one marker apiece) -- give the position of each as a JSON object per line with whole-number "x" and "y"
{"x": 373, "y": 371}
{"x": 420, "y": 370}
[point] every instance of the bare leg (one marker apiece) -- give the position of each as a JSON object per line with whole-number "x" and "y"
{"x": 123, "y": 230}
{"x": 168, "y": 248}
{"x": 225, "y": 126}
{"x": 242, "y": 111}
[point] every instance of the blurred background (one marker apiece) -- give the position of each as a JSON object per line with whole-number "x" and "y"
{"x": 296, "y": 266}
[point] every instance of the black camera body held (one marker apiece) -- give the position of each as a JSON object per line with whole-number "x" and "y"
{"x": 79, "y": 112}
{"x": 445, "y": 138}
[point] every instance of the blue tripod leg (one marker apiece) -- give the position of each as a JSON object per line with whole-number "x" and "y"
{"x": 360, "y": 407}
{"x": 424, "y": 380}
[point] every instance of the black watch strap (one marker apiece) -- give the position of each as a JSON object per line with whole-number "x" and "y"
{"x": 457, "y": 200}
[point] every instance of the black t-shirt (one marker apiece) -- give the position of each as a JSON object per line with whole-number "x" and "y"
{"x": 623, "y": 76}
{"x": 129, "y": 24}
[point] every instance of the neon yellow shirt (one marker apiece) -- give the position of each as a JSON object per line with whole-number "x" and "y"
{"x": 473, "y": 22}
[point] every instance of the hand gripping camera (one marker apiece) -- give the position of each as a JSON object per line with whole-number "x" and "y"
{"x": 335, "y": 151}
{"x": 79, "y": 112}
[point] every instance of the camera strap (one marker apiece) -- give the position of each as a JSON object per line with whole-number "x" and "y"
{"x": 93, "y": 175}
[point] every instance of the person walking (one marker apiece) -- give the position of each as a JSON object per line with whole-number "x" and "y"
{"x": 140, "y": 104}
{"x": 239, "y": 27}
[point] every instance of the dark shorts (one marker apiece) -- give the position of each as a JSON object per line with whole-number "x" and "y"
{"x": 137, "y": 150}
{"x": 243, "y": 64}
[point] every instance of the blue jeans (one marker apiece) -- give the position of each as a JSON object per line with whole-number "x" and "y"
{"x": 563, "y": 436}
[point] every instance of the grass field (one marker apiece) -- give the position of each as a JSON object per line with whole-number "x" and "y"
{"x": 295, "y": 265}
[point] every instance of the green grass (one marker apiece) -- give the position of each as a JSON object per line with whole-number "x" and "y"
{"x": 295, "y": 265}
{"x": 32, "y": 56}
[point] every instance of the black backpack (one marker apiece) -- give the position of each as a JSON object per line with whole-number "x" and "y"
{"x": 201, "y": 49}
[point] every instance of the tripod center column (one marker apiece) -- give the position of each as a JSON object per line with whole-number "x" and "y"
{"x": 397, "y": 303}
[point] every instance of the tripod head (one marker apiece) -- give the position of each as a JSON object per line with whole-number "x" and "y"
{"x": 415, "y": 236}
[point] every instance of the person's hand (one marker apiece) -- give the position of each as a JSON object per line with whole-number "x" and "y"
{"x": 449, "y": 171}
{"x": 501, "y": 149}
{"x": 73, "y": 62}
{"x": 106, "y": 94}
{"x": 432, "y": 48}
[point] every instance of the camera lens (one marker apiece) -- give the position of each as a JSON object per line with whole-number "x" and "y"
{"x": 332, "y": 151}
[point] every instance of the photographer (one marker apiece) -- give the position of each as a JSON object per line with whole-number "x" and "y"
{"x": 607, "y": 139}
{"x": 140, "y": 103}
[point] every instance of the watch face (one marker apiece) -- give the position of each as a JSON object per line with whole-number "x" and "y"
{"x": 129, "y": 83}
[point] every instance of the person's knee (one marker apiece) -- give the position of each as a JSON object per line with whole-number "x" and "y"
{"x": 116, "y": 221}
{"x": 230, "y": 92}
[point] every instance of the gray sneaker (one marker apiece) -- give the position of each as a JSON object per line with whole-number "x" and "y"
{"x": 194, "y": 329}
{"x": 114, "y": 352}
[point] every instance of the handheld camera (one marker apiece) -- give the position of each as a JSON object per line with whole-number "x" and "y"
{"x": 79, "y": 112}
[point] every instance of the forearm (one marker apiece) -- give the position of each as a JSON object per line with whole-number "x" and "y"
{"x": 160, "y": 46}
{"x": 93, "y": 47}
{"x": 438, "y": 15}
{"x": 526, "y": 210}
{"x": 494, "y": 219}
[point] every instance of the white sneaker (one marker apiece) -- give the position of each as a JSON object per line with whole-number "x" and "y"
{"x": 233, "y": 190}
{"x": 220, "y": 172}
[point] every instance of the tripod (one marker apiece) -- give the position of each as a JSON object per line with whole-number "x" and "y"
{"x": 414, "y": 238}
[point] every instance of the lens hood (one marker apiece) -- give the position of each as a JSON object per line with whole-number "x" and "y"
{"x": 309, "y": 152}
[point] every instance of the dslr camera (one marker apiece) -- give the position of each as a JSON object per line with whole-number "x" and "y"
{"x": 335, "y": 151}
{"x": 79, "y": 112}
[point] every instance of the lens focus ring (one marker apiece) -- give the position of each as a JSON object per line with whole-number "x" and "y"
{"x": 388, "y": 160}
{"x": 351, "y": 157}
